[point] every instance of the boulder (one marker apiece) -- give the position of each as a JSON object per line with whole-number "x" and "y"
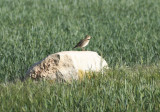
{"x": 67, "y": 65}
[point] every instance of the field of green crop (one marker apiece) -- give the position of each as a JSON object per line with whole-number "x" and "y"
{"x": 125, "y": 32}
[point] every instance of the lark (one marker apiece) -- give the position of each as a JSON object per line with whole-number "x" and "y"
{"x": 84, "y": 42}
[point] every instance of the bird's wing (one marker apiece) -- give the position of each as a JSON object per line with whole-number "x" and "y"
{"x": 79, "y": 43}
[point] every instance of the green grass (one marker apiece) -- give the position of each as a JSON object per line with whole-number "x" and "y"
{"x": 125, "y": 32}
{"x": 125, "y": 89}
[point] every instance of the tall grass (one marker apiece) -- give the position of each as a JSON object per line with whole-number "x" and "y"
{"x": 125, "y": 89}
{"x": 125, "y": 32}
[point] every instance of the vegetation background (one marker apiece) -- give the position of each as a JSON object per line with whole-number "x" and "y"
{"x": 125, "y": 32}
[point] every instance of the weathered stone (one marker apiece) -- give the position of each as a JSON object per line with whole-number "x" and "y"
{"x": 66, "y": 65}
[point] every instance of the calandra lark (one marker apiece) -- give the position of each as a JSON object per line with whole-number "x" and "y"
{"x": 84, "y": 42}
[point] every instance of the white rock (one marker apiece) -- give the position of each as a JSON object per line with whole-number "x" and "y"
{"x": 66, "y": 65}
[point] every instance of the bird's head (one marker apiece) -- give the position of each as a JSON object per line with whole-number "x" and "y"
{"x": 88, "y": 37}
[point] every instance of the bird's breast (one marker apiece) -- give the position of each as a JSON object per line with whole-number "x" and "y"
{"x": 85, "y": 43}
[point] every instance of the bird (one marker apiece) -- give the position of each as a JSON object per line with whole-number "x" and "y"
{"x": 83, "y": 43}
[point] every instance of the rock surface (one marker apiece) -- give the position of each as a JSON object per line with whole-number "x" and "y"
{"x": 66, "y": 65}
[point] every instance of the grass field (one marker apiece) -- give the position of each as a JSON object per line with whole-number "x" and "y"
{"x": 125, "y": 32}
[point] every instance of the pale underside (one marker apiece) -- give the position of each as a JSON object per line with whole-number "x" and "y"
{"x": 85, "y": 43}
